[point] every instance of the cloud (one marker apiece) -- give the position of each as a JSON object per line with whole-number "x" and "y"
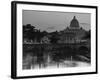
{"x": 86, "y": 26}
{"x": 50, "y": 28}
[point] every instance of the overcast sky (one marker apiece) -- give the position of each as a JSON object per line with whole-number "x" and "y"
{"x": 51, "y": 21}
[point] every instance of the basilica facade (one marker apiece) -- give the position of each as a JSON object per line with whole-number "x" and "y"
{"x": 73, "y": 33}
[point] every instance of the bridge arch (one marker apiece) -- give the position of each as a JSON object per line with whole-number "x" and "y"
{"x": 83, "y": 48}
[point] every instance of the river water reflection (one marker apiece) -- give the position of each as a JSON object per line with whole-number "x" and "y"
{"x": 55, "y": 56}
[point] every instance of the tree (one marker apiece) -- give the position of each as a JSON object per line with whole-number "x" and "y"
{"x": 31, "y": 33}
{"x": 54, "y": 37}
{"x": 28, "y": 31}
{"x": 87, "y": 35}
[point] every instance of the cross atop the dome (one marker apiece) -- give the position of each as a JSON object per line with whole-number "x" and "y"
{"x": 74, "y": 17}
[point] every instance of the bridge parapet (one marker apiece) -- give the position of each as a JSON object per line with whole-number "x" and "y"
{"x": 52, "y": 46}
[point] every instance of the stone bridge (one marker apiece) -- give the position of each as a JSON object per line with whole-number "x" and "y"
{"x": 80, "y": 51}
{"x": 57, "y": 46}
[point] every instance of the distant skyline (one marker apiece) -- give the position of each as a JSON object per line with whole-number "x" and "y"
{"x": 52, "y": 21}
